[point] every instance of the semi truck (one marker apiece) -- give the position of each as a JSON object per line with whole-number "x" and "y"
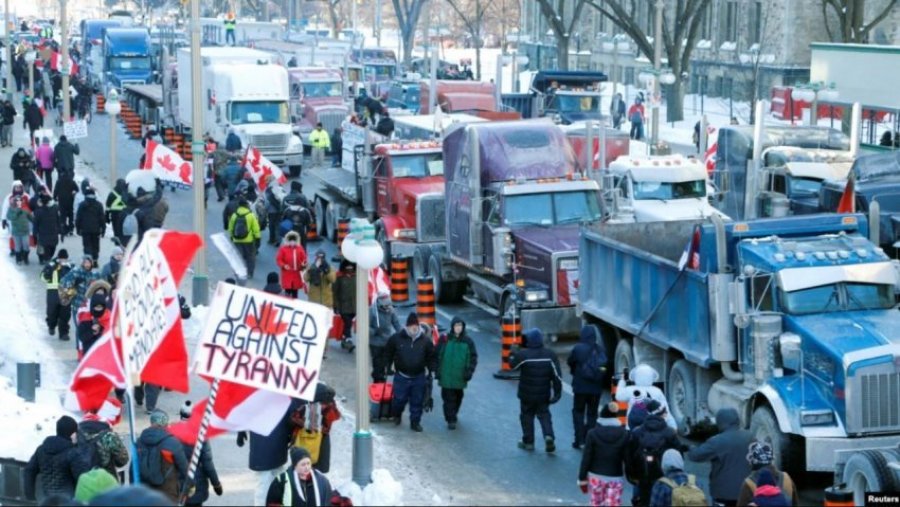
{"x": 568, "y": 96}
{"x": 792, "y": 178}
{"x": 317, "y": 96}
{"x": 792, "y": 321}
{"x": 127, "y": 58}
{"x": 379, "y": 67}
{"x": 514, "y": 204}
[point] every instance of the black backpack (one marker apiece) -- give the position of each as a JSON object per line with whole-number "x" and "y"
{"x": 241, "y": 226}
{"x": 650, "y": 450}
{"x": 594, "y": 367}
{"x": 150, "y": 464}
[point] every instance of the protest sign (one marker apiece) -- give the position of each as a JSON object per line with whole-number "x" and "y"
{"x": 75, "y": 129}
{"x": 264, "y": 341}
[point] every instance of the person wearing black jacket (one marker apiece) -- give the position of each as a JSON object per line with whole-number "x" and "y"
{"x": 64, "y": 156}
{"x": 411, "y": 352}
{"x": 7, "y": 120}
{"x": 269, "y": 453}
{"x": 540, "y": 385}
{"x": 21, "y": 164}
{"x": 64, "y": 192}
{"x": 58, "y": 461}
{"x": 90, "y": 223}
{"x": 586, "y": 386}
{"x": 206, "y": 473}
{"x": 385, "y": 125}
{"x": 645, "y": 449}
{"x": 46, "y": 227}
{"x": 58, "y": 314}
{"x": 603, "y": 461}
{"x": 33, "y": 119}
{"x": 116, "y": 209}
{"x": 157, "y": 438}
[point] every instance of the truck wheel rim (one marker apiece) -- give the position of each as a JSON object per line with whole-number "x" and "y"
{"x": 678, "y": 397}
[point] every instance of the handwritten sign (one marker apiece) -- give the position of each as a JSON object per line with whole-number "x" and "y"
{"x": 264, "y": 341}
{"x": 75, "y": 129}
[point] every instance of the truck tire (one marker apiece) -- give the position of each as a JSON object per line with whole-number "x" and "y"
{"x": 787, "y": 448}
{"x": 624, "y": 357}
{"x": 444, "y": 291}
{"x": 681, "y": 394}
{"x": 321, "y": 206}
{"x": 867, "y": 471}
{"x": 419, "y": 266}
{"x": 331, "y": 219}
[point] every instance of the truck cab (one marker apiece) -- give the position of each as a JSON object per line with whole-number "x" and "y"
{"x": 793, "y": 178}
{"x": 405, "y": 93}
{"x": 127, "y": 56}
{"x": 317, "y": 96}
{"x": 569, "y": 96}
{"x": 651, "y": 189}
{"x": 379, "y": 68}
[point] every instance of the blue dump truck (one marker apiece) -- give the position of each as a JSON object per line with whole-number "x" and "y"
{"x": 792, "y": 321}
{"x": 127, "y": 55}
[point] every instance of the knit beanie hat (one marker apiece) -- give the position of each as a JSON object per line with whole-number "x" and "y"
{"x": 272, "y": 277}
{"x": 62, "y": 254}
{"x": 760, "y": 454}
{"x": 672, "y": 459}
{"x": 412, "y": 319}
{"x": 765, "y": 478}
{"x": 66, "y": 426}
{"x": 297, "y": 454}
{"x": 93, "y": 483}
{"x": 609, "y": 411}
{"x": 159, "y": 418}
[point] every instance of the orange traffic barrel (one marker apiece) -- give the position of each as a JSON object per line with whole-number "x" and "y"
{"x": 622, "y": 415}
{"x": 343, "y": 230}
{"x": 168, "y": 134}
{"x": 186, "y": 153}
{"x": 101, "y": 103}
{"x": 510, "y": 337}
{"x": 836, "y": 496}
{"x": 425, "y": 300}
{"x": 312, "y": 234}
{"x": 399, "y": 279}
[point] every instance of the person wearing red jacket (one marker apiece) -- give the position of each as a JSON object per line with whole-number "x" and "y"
{"x": 92, "y": 324}
{"x": 291, "y": 258}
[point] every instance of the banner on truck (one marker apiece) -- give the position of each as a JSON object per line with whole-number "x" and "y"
{"x": 264, "y": 341}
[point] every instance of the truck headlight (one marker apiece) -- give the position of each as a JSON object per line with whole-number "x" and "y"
{"x": 568, "y": 264}
{"x": 534, "y": 296}
{"x": 817, "y": 418}
{"x": 557, "y": 118}
{"x": 404, "y": 234}
{"x": 295, "y": 143}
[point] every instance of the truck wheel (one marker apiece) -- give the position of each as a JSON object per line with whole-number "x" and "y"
{"x": 624, "y": 357}
{"x": 788, "y": 450}
{"x": 321, "y": 206}
{"x": 681, "y": 394}
{"x": 331, "y": 223}
{"x": 867, "y": 471}
{"x": 444, "y": 291}
{"x": 420, "y": 263}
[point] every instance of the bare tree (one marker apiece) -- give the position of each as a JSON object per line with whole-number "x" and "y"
{"x": 499, "y": 15}
{"x": 562, "y": 25}
{"x": 472, "y": 13}
{"x": 408, "y": 13}
{"x": 757, "y": 56}
{"x": 850, "y": 16}
{"x": 336, "y": 16}
{"x": 678, "y": 44}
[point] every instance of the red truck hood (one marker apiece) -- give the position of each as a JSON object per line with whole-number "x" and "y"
{"x": 419, "y": 186}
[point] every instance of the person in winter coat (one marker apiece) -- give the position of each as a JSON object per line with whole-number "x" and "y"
{"x": 319, "y": 277}
{"x": 240, "y": 192}
{"x": 94, "y": 483}
{"x": 274, "y": 194}
{"x": 269, "y": 453}
{"x": 411, "y": 351}
{"x": 456, "y": 362}
{"x": 728, "y": 453}
{"x": 385, "y": 124}
{"x": 110, "y": 270}
{"x": 273, "y": 286}
{"x": 103, "y": 447}
{"x": 344, "y": 289}
{"x": 205, "y": 474}
{"x": 157, "y": 439}
{"x": 7, "y": 120}
{"x": 46, "y": 228}
{"x": 58, "y": 461}
{"x": 761, "y": 458}
{"x": 92, "y": 325}
{"x": 297, "y": 216}
{"x": 151, "y": 209}
{"x": 233, "y": 142}
{"x": 58, "y": 314}
{"x": 90, "y": 223}
{"x": 602, "y": 472}
{"x": 383, "y": 324}
{"x": 649, "y": 440}
{"x": 116, "y": 209}
{"x": 540, "y": 385}
{"x": 617, "y": 110}
{"x": 588, "y": 381}
{"x": 21, "y": 164}
{"x": 233, "y": 174}
{"x": 44, "y": 158}
{"x": 768, "y": 493}
{"x": 291, "y": 259}
{"x": 19, "y": 219}
{"x": 33, "y": 119}
{"x": 246, "y": 244}
{"x": 64, "y": 194}
{"x": 320, "y": 142}
{"x": 74, "y": 285}
{"x": 326, "y": 413}
{"x": 673, "y": 476}
{"x": 301, "y": 485}
{"x": 636, "y": 115}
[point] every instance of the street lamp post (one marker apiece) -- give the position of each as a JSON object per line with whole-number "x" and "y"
{"x": 64, "y": 68}
{"x": 657, "y": 65}
{"x": 200, "y": 287}
{"x": 29, "y": 59}
{"x": 361, "y": 248}
{"x": 113, "y": 108}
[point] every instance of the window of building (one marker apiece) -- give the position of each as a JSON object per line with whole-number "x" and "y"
{"x": 728, "y": 21}
{"x": 755, "y": 26}
{"x": 706, "y": 24}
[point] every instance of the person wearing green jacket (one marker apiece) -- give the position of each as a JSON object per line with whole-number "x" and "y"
{"x": 19, "y": 219}
{"x": 243, "y": 229}
{"x": 457, "y": 359}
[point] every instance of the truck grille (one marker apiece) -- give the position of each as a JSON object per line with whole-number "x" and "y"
{"x": 331, "y": 119}
{"x": 270, "y": 143}
{"x": 873, "y": 401}
{"x": 430, "y": 218}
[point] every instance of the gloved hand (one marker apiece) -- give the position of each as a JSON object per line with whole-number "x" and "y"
{"x": 584, "y": 486}
{"x": 218, "y": 489}
{"x": 241, "y": 438}
{"x": 428, "y": 405}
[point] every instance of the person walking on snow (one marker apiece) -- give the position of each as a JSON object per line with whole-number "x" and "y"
{"x": 291, "y": 259}
{"x": 90, "y": 223}
{"x": 412, "y": 353}
{"x": 645, "y": 451}
{"x": 636, "y": 116}
{"x": 64, "y": 155}
{"x": 728, "y": 453}
{"x": 321, "y": 142}
{"x": 21, "y": 165}
{"x": 168, "y": 467}
{"x": 64, "y": 193}
{"x": 74, "y": 285}
{"x": 58, "y": 461}
{"x": 344, "y": 289}
{"x": 19, "y": 218}
{"x": 587, "y": 363}
{"x": 116, "y": 209}
{"x": 540, "y": 385}
{"x": 456, "y": 362}
{"x": 58, "y": 314}
{"x": 664, "y": 489}
{"x": 269, "y": 453}
{"x": 319, "y": 278}
{"x": 44, "y": 158}
{"x": 243, "y": 229}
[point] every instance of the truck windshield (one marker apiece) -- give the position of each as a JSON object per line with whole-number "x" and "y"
{"x": 805, "y": 186}
{"x": 576, "y": 103}
{"x": 888, "y": 202}
{"x": 322, "y": 89}
{"x": 417, "y": 166}
{"x": 839, "y": 297}
{"x": 551, "y": 208}
{"x": 259, "y": 112}
{"x": 650, "y": 190}
{"x": 129, "y": 63}
{"x": 380, "y": 72}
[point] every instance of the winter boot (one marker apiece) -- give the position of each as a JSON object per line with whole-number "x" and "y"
{"x": 549, "y": 444}
{"x": 348, "y": 345}
{"x": 25, "y": 257}
{"x": 64, "y": 337}
{"x": 18, "y": 258}
{"x": 526, "y": 446}
{"x": 52, "y": 331}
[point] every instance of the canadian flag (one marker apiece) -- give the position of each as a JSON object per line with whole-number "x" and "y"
{"x": 260, "y": 168}
{"x": 379, "y": 285}
{"x": 237, "y": 408}
{"x": 103, "y": 367}
{"x": 167, "y": 165}
{"x": 567, "y": 286}
{"x": 712, "y": 140}
{"x": 56, "y": 63}
{"x": 847, "y": 204}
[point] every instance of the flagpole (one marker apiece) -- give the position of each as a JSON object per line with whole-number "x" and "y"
{"x": 201, "y": 437}
{"x": 135, "y": 469}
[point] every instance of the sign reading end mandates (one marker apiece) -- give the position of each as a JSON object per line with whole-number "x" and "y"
{"x": 263, "y": 341}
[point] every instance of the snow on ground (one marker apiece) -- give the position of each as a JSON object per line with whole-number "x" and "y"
{"x": 25, "y": 425}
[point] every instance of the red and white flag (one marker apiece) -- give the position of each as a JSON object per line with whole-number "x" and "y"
{"x": 379, "y": 285}
{"x": 167, "y": 165}
{"x": 260, "y": 168}
{"x": 847, "y": 204}
{"x": 712, "y": 141}
{"x": 56, "y": 62}
{"x": 99, "y": 371}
